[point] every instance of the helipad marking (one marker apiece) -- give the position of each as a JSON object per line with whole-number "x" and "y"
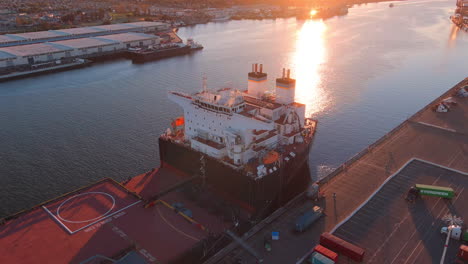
{"x": 89, "y": 220}
{"x": 57, "y": 220}
{"x": 88, "y": 225}
{"x": 126, "y": 207}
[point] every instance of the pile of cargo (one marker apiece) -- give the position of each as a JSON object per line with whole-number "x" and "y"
{"x": 330, "y": 246}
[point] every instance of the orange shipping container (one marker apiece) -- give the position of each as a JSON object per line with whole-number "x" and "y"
{"x": 326, "y": 252}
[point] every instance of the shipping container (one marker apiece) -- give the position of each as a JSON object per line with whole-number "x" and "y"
{"x": 339, "y": 245}
{"x": 463, "y": 252}
{"x": 326, "y": 252}
{"x": 318, "y": 258}
{"x": 438, "y": 191}
{"x": 307, "y": 219}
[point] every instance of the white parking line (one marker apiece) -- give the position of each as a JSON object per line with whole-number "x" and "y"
{"x": 439, "y": 127}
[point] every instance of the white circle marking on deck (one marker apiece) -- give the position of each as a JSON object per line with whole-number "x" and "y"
{"x": 89, "y": 220}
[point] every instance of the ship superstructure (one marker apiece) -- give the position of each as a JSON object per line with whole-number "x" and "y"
{"x": 255, "y": 132}
{"x": 236, "y": 126}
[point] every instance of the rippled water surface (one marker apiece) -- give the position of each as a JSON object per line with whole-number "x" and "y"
{"x": 360, "y": 75}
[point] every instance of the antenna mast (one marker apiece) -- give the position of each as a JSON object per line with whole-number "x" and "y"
{"x": 204, "y": 83}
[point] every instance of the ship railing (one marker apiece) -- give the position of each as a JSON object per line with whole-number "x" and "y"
{"x": 181, "y": 94}
{"x": 347, "y": 164}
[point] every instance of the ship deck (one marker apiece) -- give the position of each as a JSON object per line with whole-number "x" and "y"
{"x": 427, "y": 148}
{"x": 107, "y": 219}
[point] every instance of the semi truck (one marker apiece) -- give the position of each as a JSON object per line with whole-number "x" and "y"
{"x": 307, "y": 219}
{"x": 429, "y": 190}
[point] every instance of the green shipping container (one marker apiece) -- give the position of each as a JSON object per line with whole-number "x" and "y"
{"x": 318, "y": 258}
{"x": 438, "y": 191}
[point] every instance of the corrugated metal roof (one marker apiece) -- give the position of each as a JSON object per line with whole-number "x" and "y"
{"x": 4, "y": 38}
{"x": 146, "y": 24}
{"x": 59, "y": 45}
{"x": 59, "y": 32}
{"x": 74, "y": 31}
{"x": 128, "y": 37}
{"x": 34, "y": 49}
{"x": 38, "y": 35}
{"x": 114, "y": 27}
{"x": 9, "y": 38}
{"x": 85, "y": 42}
{"x": 79, "y": 31}
{"x": 6, "y": 55}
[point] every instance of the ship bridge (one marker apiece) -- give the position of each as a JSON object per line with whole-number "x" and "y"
{"x": 225, "y": 100}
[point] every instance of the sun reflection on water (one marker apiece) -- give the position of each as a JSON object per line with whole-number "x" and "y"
{"x": 310, "y": 55}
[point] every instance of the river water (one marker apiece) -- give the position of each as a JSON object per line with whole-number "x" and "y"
{"x": 360, "y": 75}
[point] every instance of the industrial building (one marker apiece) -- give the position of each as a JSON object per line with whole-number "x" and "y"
{"x": 8, "y": 40}
{"x": 29, "y": 56}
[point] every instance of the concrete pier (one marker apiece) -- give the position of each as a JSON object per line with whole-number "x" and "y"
{"x": 428, "y": 142}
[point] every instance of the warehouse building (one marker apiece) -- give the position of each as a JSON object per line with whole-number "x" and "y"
{"x": 8, "y": 40}
{"x": 29, "y": 56}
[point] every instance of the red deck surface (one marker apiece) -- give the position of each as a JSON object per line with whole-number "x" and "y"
{"x": 105, "y": 219}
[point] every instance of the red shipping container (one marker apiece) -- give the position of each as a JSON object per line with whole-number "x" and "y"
{"x": 326, "y": 252}
{"x": 463, "y": 252}
{"x": 339, "y": 245}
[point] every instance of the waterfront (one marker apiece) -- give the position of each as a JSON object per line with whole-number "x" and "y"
{"x": 361, "y": 75}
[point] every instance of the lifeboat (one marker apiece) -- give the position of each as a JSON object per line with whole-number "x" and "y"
{"x": 271, "y": 157}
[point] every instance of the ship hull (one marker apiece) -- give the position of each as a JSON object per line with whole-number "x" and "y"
{"x": 139, "y": 57}
{"x": 255, "y": 195}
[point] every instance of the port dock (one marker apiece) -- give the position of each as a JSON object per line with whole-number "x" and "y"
{"x": 157, "y": 218}
{"x": 369, "y": 209}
